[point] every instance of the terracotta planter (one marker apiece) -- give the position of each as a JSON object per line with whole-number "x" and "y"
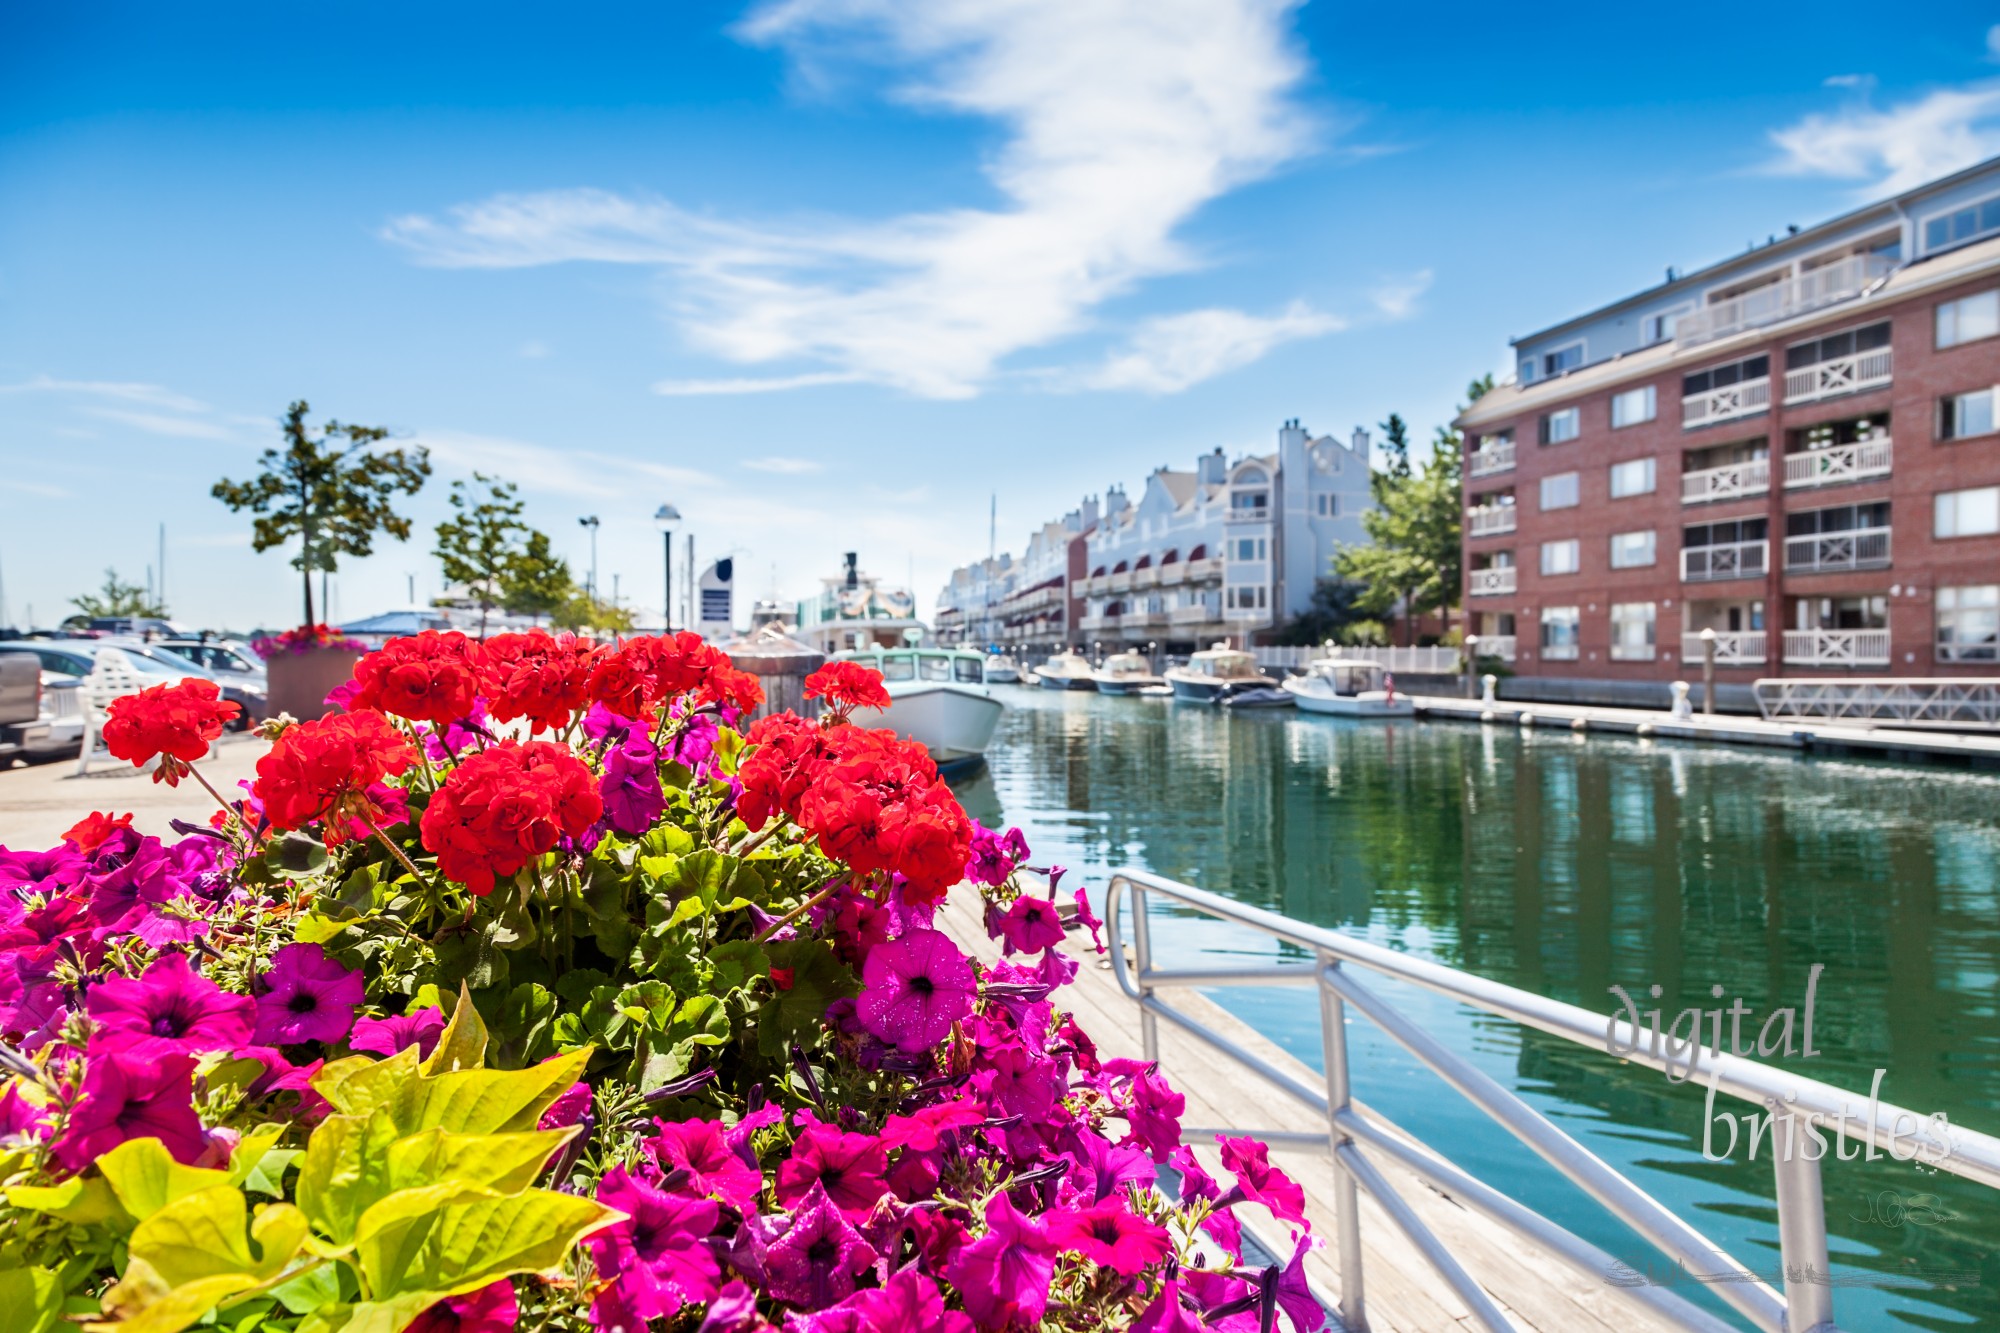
{"x": 300, "y": 682}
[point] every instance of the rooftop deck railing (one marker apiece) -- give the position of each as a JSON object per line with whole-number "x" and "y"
{"x": 1354, "y": 1133}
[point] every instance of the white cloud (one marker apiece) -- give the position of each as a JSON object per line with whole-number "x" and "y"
{"x": 151, "y": 394}
{"x": 789, "y": 467}
{"x": 1899, "y": 147}
{"x": 1397, "y": 298}
{"x": 1171, "y": 352}
{"x": 1123, "y": 118}
{"x": 34, "y": 488}
{"x": 535, "y": 349}
{"x": 537, "y": 468}
{"x": 752, "y": 384}
{"x": 1993, "y": 42}
{"x": 154, "y": 423}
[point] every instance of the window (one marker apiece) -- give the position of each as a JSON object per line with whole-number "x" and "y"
{"x": 1329, "y": 506}
{"x": 1560, "y": 426}
{"x": 1562, "y": 359}
{"x": 1560, "y": 557}
{"x": 897, "y": 666}
{"x": 1721, "y": 377}
{"x": 1559, "y": 491}
{"x": 1249, "y": 501}
{"x": 1633, "y": 478}
{"x": 1726, "y": 533}
{"x": 1960, "y": 225}
{"x": 1964, "y": 415}
{"x": 1630, "y": 550}
{"x": 1632, "y": 631}
{"x": 1968, "y": 624}
{"x": 1246, "y": 598}
{"x": 1967, "y": 318}
{"x": 1559, "y": 632}
{"x": 934, "y": 668}
{"x": 968, "y": 670}
{"x": 1658, "y": 328}
{"x": 1248, "y": 548}
{"x": 1632, "y": 407}
{"x": 1973, "y": 513}
{"x": 1834, "y": 346}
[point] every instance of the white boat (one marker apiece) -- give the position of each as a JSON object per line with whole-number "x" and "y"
{"x": 938, "y": 698}
{"x": 1125, "y": 673}
{"x": 1066, "y": 671}
{"x": 1349, "y": 687}
{"x": 1218, "y": 671}
{"x": 1002, "y": 670}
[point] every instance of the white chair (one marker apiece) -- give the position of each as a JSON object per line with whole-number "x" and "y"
{"x": 113, "y": 677}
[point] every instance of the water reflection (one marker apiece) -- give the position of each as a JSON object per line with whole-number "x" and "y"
{"x": 1563, "y": 865}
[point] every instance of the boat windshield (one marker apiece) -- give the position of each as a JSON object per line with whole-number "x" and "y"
{"x": 934, "y": 667}
{"x": 897, "y": 666}
{"x": 1233, "y": 665}
{"x": 1127, "y": 664}
{"x": 968, "y": 670}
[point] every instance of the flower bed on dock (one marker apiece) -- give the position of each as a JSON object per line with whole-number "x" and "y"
{"x": 531, "y": 992}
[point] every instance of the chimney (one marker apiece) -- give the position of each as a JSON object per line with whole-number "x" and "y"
{"x": 1212, "y": 468}
{"x": 853, "y": 570}
{"x": 1090, "y": 512}
{"x": 1360, "y": 444}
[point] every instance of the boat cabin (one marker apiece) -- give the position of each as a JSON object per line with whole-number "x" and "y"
{"x": 1224, "y": 664}
{"x": 1127, "y": 664}
{"x": 1348, "y": 677}
{"x": 939, "y": 665}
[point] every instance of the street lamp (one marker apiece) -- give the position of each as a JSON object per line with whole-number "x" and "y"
{"x": 591, "y": 523}
{"x": 664, "y": 519}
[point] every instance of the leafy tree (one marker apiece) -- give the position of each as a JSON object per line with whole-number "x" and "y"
{"x": 333, "y": 498}
{"x": 117, "y": 598}
{"x": 536, "y": 583}
{"x": 481, "y": 543}
{"x": 1331, "y": 610}
{"x": 585, "y": 614}
{"x": 1396, "y": 449}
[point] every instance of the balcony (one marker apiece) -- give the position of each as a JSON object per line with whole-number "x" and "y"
{"x": 1725, "y": 560}
{"x": 1843, "y": 374}
{"x": 1119, "y": 582}
{"x": 1149, "y": 577}
{"x": 1837, "y": 647}
{"x": 1142, "y": 617}
{"x": 1190, "y": 615}
{"x": 1731, "y": 481}
{"x": 1496, "y": 645}
{"x": 1838, "y": 463}
{"x": 1173, "y": 575}
{"x": 1744, "y": 399}
{"x": 1493, "y": 582}
{"x": 1249, "y": 513}
{"x": 1830, "y": 552}
{"x": 1094, "y": 587}
{"x": 1821, "y": 287}
{"x": 1205, "y": 571}
{"x": 1732, "y": 648}
{"x": 1089, "y": 623}
{"x": 1488, "y": 459}
{"x": 1490, "y": 520}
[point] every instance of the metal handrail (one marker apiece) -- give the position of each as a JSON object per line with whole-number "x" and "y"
{"x": 1806, "y": 1303}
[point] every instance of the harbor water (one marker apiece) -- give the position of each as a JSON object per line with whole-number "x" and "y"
{"x": 1567, "y": 865}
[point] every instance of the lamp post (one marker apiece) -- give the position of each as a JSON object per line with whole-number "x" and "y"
{"x": 591, "y": 523}
{"x": 664, "y": 519}
{"x": 1708, "y": 672}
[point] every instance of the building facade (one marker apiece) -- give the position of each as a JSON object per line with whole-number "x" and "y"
{"x": 1795, "y": 449}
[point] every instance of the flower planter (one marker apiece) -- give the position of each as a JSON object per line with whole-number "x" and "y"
{"x": 300, "y": 682}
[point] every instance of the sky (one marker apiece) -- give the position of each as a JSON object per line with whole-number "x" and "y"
{"x": 835, "y": 275}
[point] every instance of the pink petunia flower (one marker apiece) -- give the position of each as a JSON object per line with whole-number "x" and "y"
{"x": 1295, "y": 1298}
{"x": 307, "y": 996}
{"x": 1167, "y": 1314}
{"x": 1259, "y": 1182}
{"x": 1154, "y": 1112}
{"x": 993, "y": 856}
{"x": 913, "y": 989}
{"x": 814, "y": 1263}
{"x": 568, "y": 1109}
{"x": 133, "y": 1095}
{"x": 1004, "y": 1276}
{"x": 1110, "y": 1235}
{"x": 420, "y": 1028}
{"x": 169, "y": 1005}
{"x": 491, "y": 1309}
{"x": 1031, "y": 924}
{"x": 849, "y": 1167}
{"x": 715, "y": 1166}
{"x": 630, "y": 787}
{"x": 1089, "y": 919}
{"x": 658, "y": 1259}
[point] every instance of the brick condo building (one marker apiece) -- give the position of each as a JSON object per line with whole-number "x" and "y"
{"x": 1795, "y": 448}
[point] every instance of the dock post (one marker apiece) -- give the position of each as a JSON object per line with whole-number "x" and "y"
{"x": 1346, "y": 1197}
{"x": 1708, "y": 672}
{"x": 1142, "y": 961}
{"x": 1802, "y": 1236}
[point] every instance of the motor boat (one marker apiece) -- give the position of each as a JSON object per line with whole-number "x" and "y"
{"x": 1067, "y": 671}
{"x": 938, "y": 698}
{"x": 1124, "y": 673}
{"x": 1349, "y": 687}
{"x": 1258, "y": 698}
{"x": 1002, "y": 670}
{"x": 1216, "y": 672}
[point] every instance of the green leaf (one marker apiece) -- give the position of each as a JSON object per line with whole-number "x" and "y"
{"x": 522, "y": 1028}
{"x": 83, "y": 1202}
{"x": 313, "y": 1289}
{"x": 491, "y": 1101}
{"x": 344, "y": 1169}
{"x": 209, "y": 1234}
{"x": 316, "y": 929}
{"x": 818, "y": 979}
{"x": 462, "y": 1246}
{"x": 392, "y": 1316}
{"x": 252, "y": 1150}
{"x": 146, "y": 1178}
{"x": 32, "y": 1298}
{"x": 736, "y": 963}
{"x": 143, "y": 1302}
{"x": 463, "y": 1043}
{"x": 358, "y": 1084}
{"x": 702, "y": 1020}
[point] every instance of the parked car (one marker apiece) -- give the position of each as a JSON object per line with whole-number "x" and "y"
{"x": 219, "y": 655}
{"x": 77, "y": 657}
{"x": 245, "y": 688}
{"x": 22, "y": 731}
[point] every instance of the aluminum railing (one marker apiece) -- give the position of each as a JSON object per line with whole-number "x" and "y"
{"x": 1495, "y": 456}
{"x": 1839, "y": 463}
{"x": 1952, "y": 703}
{"x": 1805, "y": 1305}
{"x": 1840, "y": 281}
{"x": 1494, "y": 580}
{"x": 1752, "y": 476}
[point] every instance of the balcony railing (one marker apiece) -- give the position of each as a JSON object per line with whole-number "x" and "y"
{"x": 1488, "y": 459}
{"x": 1725, "y": 560}
{"x": 1089, "y": 623}
{"x": 1728, "y": 482}
{"x": 1249, "y": 513}
{"x": 1496, "y": 645}
{"x": 1149, "y": 577}
{"x": 1492, "y": 582}
{"x": 1172, "y": 575}
{"x": 1825, "y": 552}
{"x": 1119, "y": 582}
{"x": 1490, "y": 520}
{"x": 1190, "y": 615}
{"x": 1837, "y": 647}
{"x": 1726, "y": 403}
{"x": 1781, "y": 300}
{"x": 1842, "y": 374}
{"x": 1093, "y": 587}
{"x": 1205, "y": 571}
{"x": 1838, "y": 463}
{"x": 1732, "y": 648}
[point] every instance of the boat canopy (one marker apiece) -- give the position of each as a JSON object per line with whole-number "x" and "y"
{"x": 1128, "y": 664}
{"x": 1348, "y": 675}
{"x": 962, "y": 666}
{"x": 1227, "y": 663}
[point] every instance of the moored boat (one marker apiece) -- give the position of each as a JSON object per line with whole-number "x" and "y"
{"x": 1002, "y": 670}
{"x": 938, "y": 698}
{"x": 1066, "y": 671}
{"x": 1125, "y": 673}
{"x": 1215, "y": 672}
{"x": 1349, "y": 687}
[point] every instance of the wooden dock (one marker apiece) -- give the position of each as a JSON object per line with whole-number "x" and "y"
{"x": 1403, "y": 1293}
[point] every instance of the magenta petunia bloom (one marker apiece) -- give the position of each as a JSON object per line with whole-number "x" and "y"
{"x": 491, "y": 1309}
{"x": 814, "y": 1263}
{"x": 630, "y": 787}
{"x": 568, "y": 1109}
{"x": 1108, "y": 1169}
{"x": 714, "y": 1162}
{"x": 734, "y": 1308}
{"x": 1155, "y": 1110}
{"x": 1167, "y": 1314}
{"x": 913, "y": 989}
{"x": 1110, "y": 1235}
{"x": 1259, "y": 1182}
{"x": 909, "y": 1301}
{"x": 307, "y": 996}
{"x": 1004, "y": 1276}
{"x": 1295, "y": 1298}
{"x": 1031, "y": 924}
{"x": 993, "y": 856}
{"x": 170, "y": 1005}
{"x": 22, "y": 1122}
{"x": 133, "y": 1095}
{"x": 658, "y": 1257}
{"x": 420, "y": 1028}
{"x": 1089, "y": 919}
{"x": 850, "y": 1167}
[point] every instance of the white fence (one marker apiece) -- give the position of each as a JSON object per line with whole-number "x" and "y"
{"x": 1915, "y": 702}
{"x": 1837, "y": 647}
{"x": 1781, "y": 300}
{"x": 1750, "y": 477}
{"x": 1441, "y": 661}
{"x": 1838, "y": 463}
{"x": 1727, "y": 403}
{"x": 1841, "y": 374}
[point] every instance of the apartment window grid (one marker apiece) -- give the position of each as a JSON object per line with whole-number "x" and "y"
{"x": 1247, "y": 598}
{"x": 1561, "y": 427}
{"x": 1248, "y": 548}
{"x": 1632, "y": 631}
{"x": 1723, "y": 376}
{"x": 1968, "y": 513}
{"x": 1633, "y": 550}
{"x": 1968, "y": 623}
{"x": 1943, "y": 230}
{"x": 1636, "y": 476}
{"x": 1559, "y": 633}
{"x": 1562, "y": 491}
{"x": 1968, "y": 319}
{"x": 1832, "y": 347}
{"x": 1634, "y": 406}
{"x": 1563, "y": 557}
{"x": 1964, "y": 415}
{"x": 1327, "y": 506}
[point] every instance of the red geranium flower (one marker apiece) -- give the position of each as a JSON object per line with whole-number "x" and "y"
{"x": 537, "y": 676}
{"x": 732, "y": 688}
{"x": 648, "y": 671}
{"x": 430, "y": 677}
{"x": 507, "y": 806}
{"x": 89, "y": 832}
{"x": 846, "y": 686}
{"x": 326, "y": 767}
{"x": 173, "y": 722}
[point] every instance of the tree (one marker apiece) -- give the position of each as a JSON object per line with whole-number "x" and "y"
{"x": 1332, "y": 609}
{"x": 536, "y": 583}
{"x": 583, "y": 613}
{"x": 1396, "y": 449}
{"x": 117, "y": 599}
{"x": 333, "y": 499}
{"x": 479, "y": 545}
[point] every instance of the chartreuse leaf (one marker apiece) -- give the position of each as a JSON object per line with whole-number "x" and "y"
{"x": 506, "y": 1163}
{"x": 197, "y": 1251}
{"x": 462, "y": 1246}
{"x": 391, "y": 1316}
{"x": 76, "y": 1200}
{"x": 463, "y": 1043}
{"x": 146, "y": 1178}
{"x": 32, "y": 1299}
{"x": 142, "y": 1302}
{"x": 251, "y": 1150}
{"x": 344, "y": 1170}
{"x": 357, "y": 1085}
{"x": 491, "y": 1101}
